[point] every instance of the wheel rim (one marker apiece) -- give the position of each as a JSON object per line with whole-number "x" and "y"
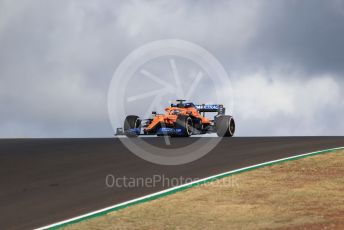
{"x": 231, "y": 126}
{"x": 189, "y": 126}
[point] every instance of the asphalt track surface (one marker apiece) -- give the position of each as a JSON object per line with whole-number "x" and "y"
{"x": 43, "y": 181}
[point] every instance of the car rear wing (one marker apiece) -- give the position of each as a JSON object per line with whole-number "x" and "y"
{"x": 216, "y": 108}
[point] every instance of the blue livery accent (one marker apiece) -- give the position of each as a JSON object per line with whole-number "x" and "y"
{"x": 208, "y": 107}
{"x": 136, "y": 131}
{"x": 166, "y": 130}
{"x": 169, "y": 131}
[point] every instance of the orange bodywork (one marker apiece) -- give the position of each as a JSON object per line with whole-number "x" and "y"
{"x": 170, "y": 117}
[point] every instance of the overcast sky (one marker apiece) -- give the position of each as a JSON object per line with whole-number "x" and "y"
{"x": 285, "y": 60}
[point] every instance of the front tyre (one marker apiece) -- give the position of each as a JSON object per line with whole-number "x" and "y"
{"x": 225, "y": 126}
{"x": 132, "y": 126}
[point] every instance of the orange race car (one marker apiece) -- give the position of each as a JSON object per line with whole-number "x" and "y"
{"x": 181, "y": 120}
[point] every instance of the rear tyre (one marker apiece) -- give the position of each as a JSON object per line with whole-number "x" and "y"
{"x": 225, "y": 126}
{"x": 132, "y": 126}
{"x": 185, "y": 124}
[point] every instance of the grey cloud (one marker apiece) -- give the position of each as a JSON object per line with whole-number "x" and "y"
{"x": 57, "y": 59}
{"x": 307, "y": 34}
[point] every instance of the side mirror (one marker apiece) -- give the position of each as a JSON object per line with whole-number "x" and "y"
{"x": 154, "y": 113}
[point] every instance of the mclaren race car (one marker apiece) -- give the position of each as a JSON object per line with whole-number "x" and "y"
{"x": 182, "y": 119}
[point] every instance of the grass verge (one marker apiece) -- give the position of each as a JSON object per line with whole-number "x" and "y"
{"x": 303, "y": 194}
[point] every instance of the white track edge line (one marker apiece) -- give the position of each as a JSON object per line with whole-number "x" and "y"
{"x": 180, "y": 186}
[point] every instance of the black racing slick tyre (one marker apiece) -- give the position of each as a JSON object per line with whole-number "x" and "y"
{"x": 185, "y": 124}
{"x": 132, "y": 122}
{"x": 225, "y": 126}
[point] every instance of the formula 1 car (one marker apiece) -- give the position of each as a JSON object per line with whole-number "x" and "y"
{"x": 182, "y": 119}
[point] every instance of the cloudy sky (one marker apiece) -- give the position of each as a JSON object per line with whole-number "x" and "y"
{"x": 285, "y": 60}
